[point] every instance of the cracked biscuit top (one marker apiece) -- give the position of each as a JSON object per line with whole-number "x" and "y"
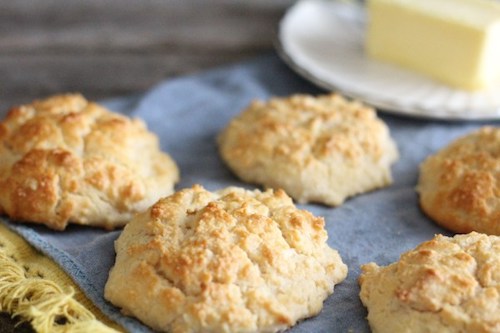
{"x": 227, "y": 261}
{"x": 443, "y": 285}
{"x": 318, "y": 149}
{"x": 459, "y": 186}
{"x": 67, "y": 160}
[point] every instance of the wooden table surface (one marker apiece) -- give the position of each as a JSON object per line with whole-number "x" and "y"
{"x": 113, "y": 48}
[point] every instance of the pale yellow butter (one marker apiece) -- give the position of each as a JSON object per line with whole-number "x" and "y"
{"x": 454, "y": 41}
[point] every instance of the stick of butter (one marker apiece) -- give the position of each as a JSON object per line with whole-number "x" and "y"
{"x": 454, "y": 41}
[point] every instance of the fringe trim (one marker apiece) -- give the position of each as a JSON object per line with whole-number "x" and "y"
{"x": 42, "y": 302}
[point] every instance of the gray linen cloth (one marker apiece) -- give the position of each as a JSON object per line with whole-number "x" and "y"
{"x": 187, "y": 113}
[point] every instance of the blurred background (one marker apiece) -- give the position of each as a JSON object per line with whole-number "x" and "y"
{"x": 112, "y": 48}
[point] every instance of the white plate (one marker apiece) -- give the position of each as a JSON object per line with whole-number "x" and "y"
{"x": 323, "y": 41}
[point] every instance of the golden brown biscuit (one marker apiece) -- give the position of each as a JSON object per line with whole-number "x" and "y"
{"x": 225, "y": 261}
{"x": 443, "y": 285}
{"x": 321, "y": 149}
{"x": 67, "y": 160}
{"x": 459, "y": 186}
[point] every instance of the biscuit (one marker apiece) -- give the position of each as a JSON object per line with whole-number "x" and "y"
{"x": 443, "y": 285}
{"x": 318, "y": 149}
{"x": 67, "y": 160}
{"x": 459, "y": 186}
{"x": 227, "y": 261}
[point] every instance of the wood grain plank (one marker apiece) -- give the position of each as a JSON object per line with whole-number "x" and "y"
{"x": 111, "y": 48}
{"x": 99, "y": 76}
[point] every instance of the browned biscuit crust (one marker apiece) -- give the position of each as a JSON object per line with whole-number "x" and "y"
{"x": 318, "y": 149}
{"x": 459, "y": 186}
{"x": 443, "y": 285}
{"x": 226, "y": 261}
{"x": 67, "y": 160}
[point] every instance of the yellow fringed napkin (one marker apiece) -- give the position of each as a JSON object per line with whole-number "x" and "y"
{"x": 35, "y": 289}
